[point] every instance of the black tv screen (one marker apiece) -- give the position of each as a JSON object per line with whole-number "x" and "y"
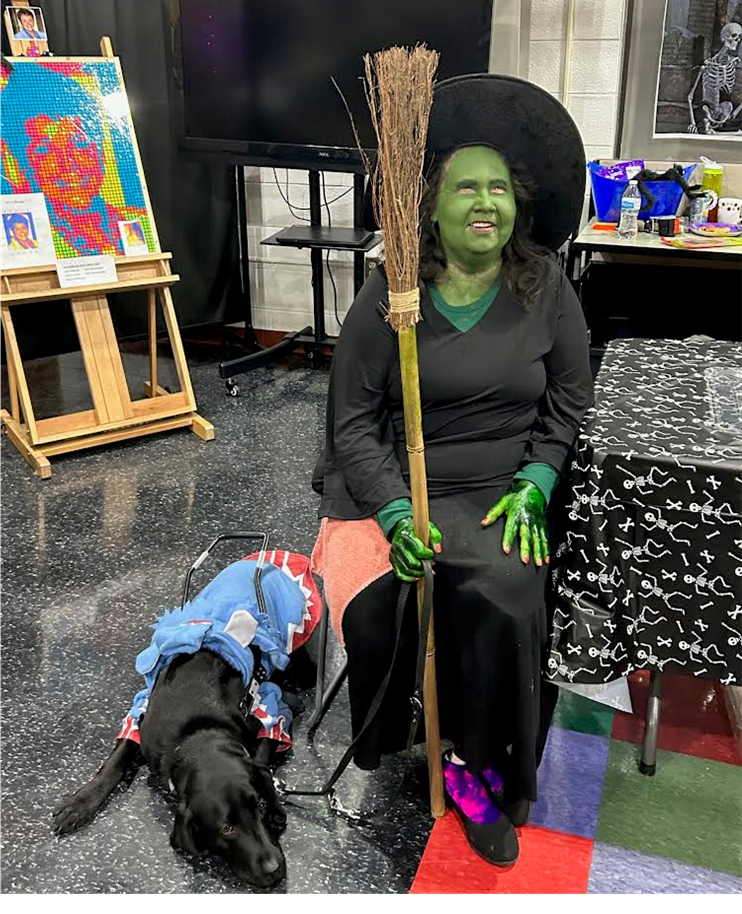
{"x": 255, "y": 76}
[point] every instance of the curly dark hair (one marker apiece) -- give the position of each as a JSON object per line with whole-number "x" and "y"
{"x": 525, "y": 265}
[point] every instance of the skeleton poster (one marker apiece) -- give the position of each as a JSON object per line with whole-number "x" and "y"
{"x": 699, "y": 84}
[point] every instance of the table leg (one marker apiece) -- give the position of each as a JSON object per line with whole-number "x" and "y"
{"x": 648, "y": 762}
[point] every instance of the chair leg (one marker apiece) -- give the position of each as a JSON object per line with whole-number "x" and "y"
{"x": 321, "y": 657}
{"x": 324, "y": 698}
{"x": 648, "y": 762}
{"x": 332, "y": 690}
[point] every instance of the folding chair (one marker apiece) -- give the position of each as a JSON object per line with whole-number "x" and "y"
{"x": 323, "y": 699}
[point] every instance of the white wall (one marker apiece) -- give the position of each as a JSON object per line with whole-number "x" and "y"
{"x": 595, "y": 64}
{"x": 280, "y": 277}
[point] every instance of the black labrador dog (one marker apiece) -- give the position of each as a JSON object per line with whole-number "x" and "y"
{"x": 194, "y": 736}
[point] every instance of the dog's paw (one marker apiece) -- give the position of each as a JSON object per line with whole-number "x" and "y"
{"x": 76, "y": 810}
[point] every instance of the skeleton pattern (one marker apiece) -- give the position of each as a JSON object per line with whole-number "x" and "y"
{"x": 658, "y": 522}
{"x": 648, "y": 573}
{"x": 717, "y": 75}
{"x": 596, "y": 501}
{"x": 650, "y": 588}
{"x": 607, "y": 583}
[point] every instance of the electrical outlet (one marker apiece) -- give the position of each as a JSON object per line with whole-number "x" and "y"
{"x": 371, "y": 263}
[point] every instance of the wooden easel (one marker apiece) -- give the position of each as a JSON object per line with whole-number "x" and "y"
{"x": 115, "y": 416}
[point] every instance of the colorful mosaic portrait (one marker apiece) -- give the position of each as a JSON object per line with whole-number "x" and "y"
{"x": 67, "y": 134}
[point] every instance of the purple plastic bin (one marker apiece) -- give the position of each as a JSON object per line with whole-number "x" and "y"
{"x": 607, "y": 193}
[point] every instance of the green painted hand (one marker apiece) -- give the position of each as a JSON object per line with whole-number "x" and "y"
{"x": 524, "y": 506}
{"x": 408, "y": 550}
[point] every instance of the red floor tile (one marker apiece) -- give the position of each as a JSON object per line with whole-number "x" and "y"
{"x": 550, "y": 862}
{"x": 693, "y": 718}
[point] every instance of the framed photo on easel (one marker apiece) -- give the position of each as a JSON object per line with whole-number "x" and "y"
{"x": 26, "y": 31}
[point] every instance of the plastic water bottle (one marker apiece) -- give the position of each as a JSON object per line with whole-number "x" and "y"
{"x": 631, "y": 203}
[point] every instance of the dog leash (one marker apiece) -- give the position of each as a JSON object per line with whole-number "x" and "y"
{"x": 259, "y": 675}
{"x": 416, "y": 700}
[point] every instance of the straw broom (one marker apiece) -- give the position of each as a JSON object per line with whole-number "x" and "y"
{"x": 399, "y": 89}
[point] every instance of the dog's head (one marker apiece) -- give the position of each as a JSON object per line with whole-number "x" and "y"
{"x": 229, "y": 807}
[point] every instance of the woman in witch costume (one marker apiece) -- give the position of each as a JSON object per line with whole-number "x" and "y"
{"x": 505, "y": 382}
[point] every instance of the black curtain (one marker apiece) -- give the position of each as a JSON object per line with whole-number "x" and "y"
{"x": 194, "y": 203}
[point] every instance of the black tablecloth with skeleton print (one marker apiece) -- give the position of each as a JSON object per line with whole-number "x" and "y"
{"x": 650, "y": 572}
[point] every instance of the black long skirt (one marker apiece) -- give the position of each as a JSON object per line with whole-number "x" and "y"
{"x": 491, "y": 628}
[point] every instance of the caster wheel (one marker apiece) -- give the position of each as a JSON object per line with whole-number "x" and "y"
{"x": 233, "y": 388}
{"x": 310, "y": 354}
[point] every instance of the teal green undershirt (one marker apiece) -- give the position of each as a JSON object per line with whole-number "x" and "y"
{"x": 463, "y": 318}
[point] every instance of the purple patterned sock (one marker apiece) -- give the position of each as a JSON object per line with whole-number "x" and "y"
{"x": 494, "y": 780}
{"x": 469, "y": 793}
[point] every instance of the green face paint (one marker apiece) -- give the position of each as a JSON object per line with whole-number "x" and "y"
{"x": 475, "y": 209}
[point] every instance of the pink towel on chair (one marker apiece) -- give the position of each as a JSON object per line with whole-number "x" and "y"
{"x": 348, "y": 555}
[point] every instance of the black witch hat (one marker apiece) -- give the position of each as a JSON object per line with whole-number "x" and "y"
{"x": 534, "y": 132}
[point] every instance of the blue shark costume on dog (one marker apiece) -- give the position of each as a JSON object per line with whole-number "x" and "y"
{"x": 225, "y": 618}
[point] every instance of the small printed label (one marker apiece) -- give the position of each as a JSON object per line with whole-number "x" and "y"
{"x": 86, "y": 271}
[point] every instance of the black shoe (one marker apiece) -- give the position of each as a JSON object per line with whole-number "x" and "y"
{"x": 519, "y": 811}
{"x": 496, "y": 842}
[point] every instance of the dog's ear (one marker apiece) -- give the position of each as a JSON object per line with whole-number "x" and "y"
{"x": 185, "y": 833}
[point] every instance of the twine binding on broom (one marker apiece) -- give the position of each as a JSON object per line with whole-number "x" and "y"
{"x": 404, "y": 309}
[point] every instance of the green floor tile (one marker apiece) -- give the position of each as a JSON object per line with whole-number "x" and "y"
{"x": 575, "y": 712}
{"x": 691, "y": 810}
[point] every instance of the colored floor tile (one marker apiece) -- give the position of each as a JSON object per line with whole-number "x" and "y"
{"x": 620, "y": 871}
{"x": 550, "y": 863}
{"x": 693, "y": 718}
{"x": 570, "y": 782}
{"x": 575, "y": 712}
{"x": 691, "y": 810}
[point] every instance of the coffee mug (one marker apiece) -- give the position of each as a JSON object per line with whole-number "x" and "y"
{"x": 730, "y": 210}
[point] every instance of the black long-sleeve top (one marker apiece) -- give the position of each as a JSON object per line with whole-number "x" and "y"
{"x": 511, "y": 390}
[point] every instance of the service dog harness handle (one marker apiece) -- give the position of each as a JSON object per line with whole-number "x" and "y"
{"x": 231, "y": 536}
{"x": 259, "y": 673}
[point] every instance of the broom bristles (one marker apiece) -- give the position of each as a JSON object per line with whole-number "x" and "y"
{"x": 399, "y": 90}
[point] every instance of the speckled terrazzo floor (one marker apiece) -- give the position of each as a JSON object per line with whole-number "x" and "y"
{"x": 89, "y": 558}
{"x": 92, "y": 555}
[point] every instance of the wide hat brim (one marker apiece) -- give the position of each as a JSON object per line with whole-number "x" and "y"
{"x": 534, "y": 132}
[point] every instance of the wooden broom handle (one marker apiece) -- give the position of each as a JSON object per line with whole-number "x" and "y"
{"x": 421, "y": 516}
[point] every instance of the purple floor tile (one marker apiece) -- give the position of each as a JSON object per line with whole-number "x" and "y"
{"x": 570, "y": 782}
{"x": 620, "y": 871}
